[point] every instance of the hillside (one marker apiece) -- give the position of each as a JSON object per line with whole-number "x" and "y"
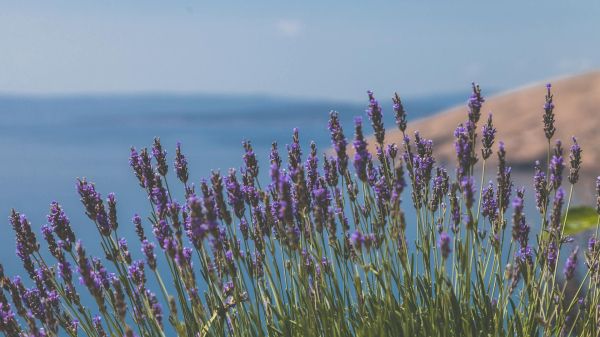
{"x": 517, "y": 116}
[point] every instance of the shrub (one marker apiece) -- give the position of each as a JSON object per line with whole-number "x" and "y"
{"x": 322, "y": 250}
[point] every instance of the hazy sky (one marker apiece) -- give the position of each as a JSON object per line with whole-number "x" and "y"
{"x": 329, "y": 49}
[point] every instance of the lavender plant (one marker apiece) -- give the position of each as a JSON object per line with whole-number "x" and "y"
{"x": 321, "y": 250}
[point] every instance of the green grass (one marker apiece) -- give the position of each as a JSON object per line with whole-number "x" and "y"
{"x": 581, "y": 219}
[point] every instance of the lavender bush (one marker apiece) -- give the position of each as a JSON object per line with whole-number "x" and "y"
{"x": 322, "y": 250}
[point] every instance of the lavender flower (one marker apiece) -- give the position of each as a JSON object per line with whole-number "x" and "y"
{"x": 53, "y": 247}
{"x": 135, "y": 161}
{"x": 338, "y": 141}
{"x": 147, "y": 171}
{"x": 598, "y": 195}
{"x": 89, "y": 197}
{"x": 88, "y": 277}
{"x": 362, "y": 155}
{"x": 235, "y": 196}
{"x": 97, "y": 321}
{"x": 375, "y": 115}
{"x": 575, "y": 161}
{"x": 382, "y": 190}
{"x": 440, "y": 188}
{"x": 444, "y": 245}
{"x": 94, "y": 206}
{"x": 181, "y": 168}
{"x": 463, "y": 147}
{"x": 520, "y": 230}
{"x": 163, "y": 233}
{"x": 125, "y": 255}
{"x": 136, "y": 274}
{"x": 503, "y": 180}
{"x": 455, "y": 214}
{"x": 330, "y": 171}
{"x": 148, "y": 250}
{"x": 250, "y": 160}
{"x": 474, "y": 104}
{"x": 312, "y": 166}
{"x": 489, "y": 207}
{"x": 549, "y": 114}
{"x": 468, "y": 189}
{"x": 26, "y": 240}
{"x": 159, "y": 197}
{"x": 112, "y": 211}
{"x": 274, "y": 157}
{"x": 592, "y": 244}
{"x": 155, "y": 307}
{"x": 139, "y": 228}
{"x": 487, "y": 140}
{"x": 195, "y": 222}
{"x": 524, "y": 255}
{"x": 556, "y": 166}
{"x": 400, "y": 114}
{"x": 357, "y": 240}
{"x": 539, "y": 181}
{"x": 160, "y": 156}
{"x": 556, "y": 215}
{"x": 61, "y": 226}
{"x": 571, "y": 264}
{"x": 552, "y": 256}
{"x": 295, "y": 154}
{"x": 423, "y": 160}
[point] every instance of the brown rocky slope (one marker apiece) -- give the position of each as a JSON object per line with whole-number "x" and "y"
{"x": 517, "y": 116}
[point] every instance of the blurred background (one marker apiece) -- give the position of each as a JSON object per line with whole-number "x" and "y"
{"x": 81, "y": 81}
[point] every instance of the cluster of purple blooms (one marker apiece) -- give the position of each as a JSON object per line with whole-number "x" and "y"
{"x": 311, "y": 220}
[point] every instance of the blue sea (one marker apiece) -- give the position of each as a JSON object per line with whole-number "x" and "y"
{"x": 48, "y": 142}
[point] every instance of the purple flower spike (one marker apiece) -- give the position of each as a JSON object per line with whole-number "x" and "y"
{"x": 463, "y": 148}
{"x": 148, "y": 250}
{"x": 250, "y": 160}
{"x": 556, "y": 215}
{"x": 489, "y": 207}
{"x": 468, "y": 189}
{"x": 136, "y": 274}
{"x": 400, "y": 114}
{"x": 139, "y": 228}
{"x": 520, "y": 230}
{"x": 524, "y": 255}
{"x": 444, "y": 245}
{"x": 539, "y": 182}
{"x": 487, "y": 140}
{"x": 556, "y": 166}
{"x": 181, "y": 168}
{"x": 362, "y": 155}
{"x": 235, "y": 197}
{"x": 503, "y": 180}
{"x": 475, "y": 103}
{"x": 135, "y": 161}
{"x": 549, "y": 114}
{"x": 552, "y": 256}
{"x": 338, "y": 141}
{"x": 598, "y": 194}
{"x": 160, "y": 156}
{"x": 357, "y": 240}
{"x": 61, "y": 225}
{"x": 575, "y": 161}
{"x": 376, "y": 116}
{"x": 571, "y": 265}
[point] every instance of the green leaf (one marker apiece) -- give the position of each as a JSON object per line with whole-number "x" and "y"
{"x": 580, "y": 219}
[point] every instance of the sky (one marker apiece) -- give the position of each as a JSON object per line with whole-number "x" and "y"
{"x": 307, "y": 49}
